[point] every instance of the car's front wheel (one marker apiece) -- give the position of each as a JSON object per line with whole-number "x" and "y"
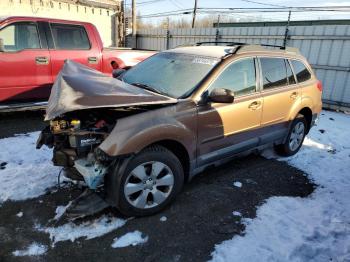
{"x": 295, "y": 138}
{"x": 148, "y": 182}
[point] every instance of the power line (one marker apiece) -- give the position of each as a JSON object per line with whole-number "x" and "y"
{"x": 259, "y": 3}
{"x": 247, "y": 10}
{"x": 148, "y": 2}
{"x": 175, "y": 3}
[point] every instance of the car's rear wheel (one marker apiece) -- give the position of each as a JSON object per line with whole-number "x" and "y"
{"x": 148, "y": 182}
{"x": 295, "y": 137}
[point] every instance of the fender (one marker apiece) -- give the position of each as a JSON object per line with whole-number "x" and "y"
{"x": 134, "y": 133}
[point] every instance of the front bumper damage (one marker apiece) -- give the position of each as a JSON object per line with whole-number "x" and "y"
{"x": 81, "y": 160}
{"x": 92, "y": 172}
{"x": 83, "y": 109}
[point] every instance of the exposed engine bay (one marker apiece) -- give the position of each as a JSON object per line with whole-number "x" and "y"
{"x": 75, "y": 138}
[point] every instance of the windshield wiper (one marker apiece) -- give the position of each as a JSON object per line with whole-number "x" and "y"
{"x": 147, "y": 87}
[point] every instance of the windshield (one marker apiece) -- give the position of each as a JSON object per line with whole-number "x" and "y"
{"x": 172, "y": 74}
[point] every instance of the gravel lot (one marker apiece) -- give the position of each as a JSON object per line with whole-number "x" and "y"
{"x": 199, "y": 218}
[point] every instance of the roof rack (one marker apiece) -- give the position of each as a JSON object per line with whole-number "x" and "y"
{"x": 237, "y": 43}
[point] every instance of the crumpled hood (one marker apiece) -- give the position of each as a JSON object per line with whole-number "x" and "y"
{"x": 81, "y": 87}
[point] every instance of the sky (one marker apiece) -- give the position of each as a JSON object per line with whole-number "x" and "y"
{"x": 158, "y": 6}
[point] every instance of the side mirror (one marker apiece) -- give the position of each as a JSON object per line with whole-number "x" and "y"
{"x": 2, "y": 47}
{"x": 221, "y": 95}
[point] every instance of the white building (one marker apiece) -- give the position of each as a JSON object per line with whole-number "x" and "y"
{"x": 106, "y": 15}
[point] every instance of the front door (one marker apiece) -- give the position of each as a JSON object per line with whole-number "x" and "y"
{"x": 226, "y": 129}
{"x": 25, "y": 63}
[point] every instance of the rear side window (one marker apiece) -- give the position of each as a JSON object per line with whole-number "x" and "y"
{"x": 274, "y": 72}
{"x": 70, "y": 37}
{"x": 301, "y": 71}
{"x": 20, "y": 36}
{"x": 238, "y": 77}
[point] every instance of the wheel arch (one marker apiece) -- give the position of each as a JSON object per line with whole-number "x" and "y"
{"x": 307, "y": 113}
{"x": 179, "y": 150}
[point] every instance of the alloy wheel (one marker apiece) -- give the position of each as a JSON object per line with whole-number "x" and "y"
{"x": 297, "y": 135}
{"x": 148, "y": 185}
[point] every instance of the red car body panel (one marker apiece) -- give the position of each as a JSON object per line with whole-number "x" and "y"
{"x": 22, "y": 79}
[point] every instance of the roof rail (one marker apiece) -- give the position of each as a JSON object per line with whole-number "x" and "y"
{"x": 237, "y": 43}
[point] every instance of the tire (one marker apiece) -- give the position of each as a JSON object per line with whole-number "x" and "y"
{"x": 146, "y": 183}
{"x": 297, "y": 133}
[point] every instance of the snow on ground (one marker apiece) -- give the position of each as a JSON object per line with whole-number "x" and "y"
{"x": 26, "y": 172}
{"x": 19, "y": 214}
{"x": 237, "y": 184}
{"x": 236, "y": 214}
{"x": 88, "y": 230}
{"x": 60, "y": 210}
{"x": 34, "y": 249}
{"x": 316, "y": 228}
{"x": 129, "y": 239}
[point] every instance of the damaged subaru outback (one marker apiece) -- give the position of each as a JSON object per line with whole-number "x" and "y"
{"x": 134, "y": 141}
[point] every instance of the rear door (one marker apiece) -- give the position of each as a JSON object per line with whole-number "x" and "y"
{"x": 25, "y": 63}
{"x": 74, "y": 42}
{"x": 280, "y": 93}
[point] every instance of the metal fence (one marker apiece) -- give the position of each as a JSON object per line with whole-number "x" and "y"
{"x": 327, "y": 48}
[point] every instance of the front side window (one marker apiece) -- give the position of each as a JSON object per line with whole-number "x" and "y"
{"x": 20, "y": 36}
{"x": 274, "y": 72}
{"x": 238, "y": 77}
{"x": 301, "y": 71}
{"x": 173, "y": 74}
{"x": 70, "y": 37}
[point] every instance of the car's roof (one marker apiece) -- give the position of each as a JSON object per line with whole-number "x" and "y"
{"x": 34, "y": 18}
{"x": 210, "y": 51}
{"x": 3, "y": 17}
{"x": 221, "y": 51}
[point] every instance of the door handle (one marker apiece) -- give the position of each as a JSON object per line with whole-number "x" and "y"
{"x": 254, "y": 105}
{"x": 294, "y": 95}
{"x": 41, "y": 60}
{"x": 92, "y": 60}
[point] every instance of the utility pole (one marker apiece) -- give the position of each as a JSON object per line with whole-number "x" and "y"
{"x": 286, "y": 33}
{"x": 133, "y": 13}
{"x": 194, "y": 13}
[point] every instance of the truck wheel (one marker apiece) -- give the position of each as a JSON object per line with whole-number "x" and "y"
{"x": 294, "y": 139}
{"x": 147, "y": 182}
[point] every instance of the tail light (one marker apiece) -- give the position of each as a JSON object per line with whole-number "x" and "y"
{"x": 319, "y": 85}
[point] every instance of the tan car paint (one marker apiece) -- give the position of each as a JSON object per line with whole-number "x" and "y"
{"x": 217, "y": 125}
{"x": 132, "y": 134}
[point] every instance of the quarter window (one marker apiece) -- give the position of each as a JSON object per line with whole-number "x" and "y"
{"x": 238, "y": 77}
{"x": 70, "y": 37}
{"x": 290, "y": 75}
{"x": 274, "y": 72}
{"x": 20, "y": 36}
{"x": 301, "y": 71}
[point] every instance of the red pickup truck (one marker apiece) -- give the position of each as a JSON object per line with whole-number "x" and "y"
{"x": 33, "y": 50}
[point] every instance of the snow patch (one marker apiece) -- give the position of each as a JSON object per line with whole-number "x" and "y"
{"x": 316, "y": 228}
{"x": 60, "y": 210}
{"x": 237, "y": 184}
{"x": 88, "y": 230}
{"x": 28, "y": 172}
{"x": 19, "y": 214}
{"x": 236, "y": 213}
{"x": 129, "y": 239}
{"x": 34, "y": 249}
